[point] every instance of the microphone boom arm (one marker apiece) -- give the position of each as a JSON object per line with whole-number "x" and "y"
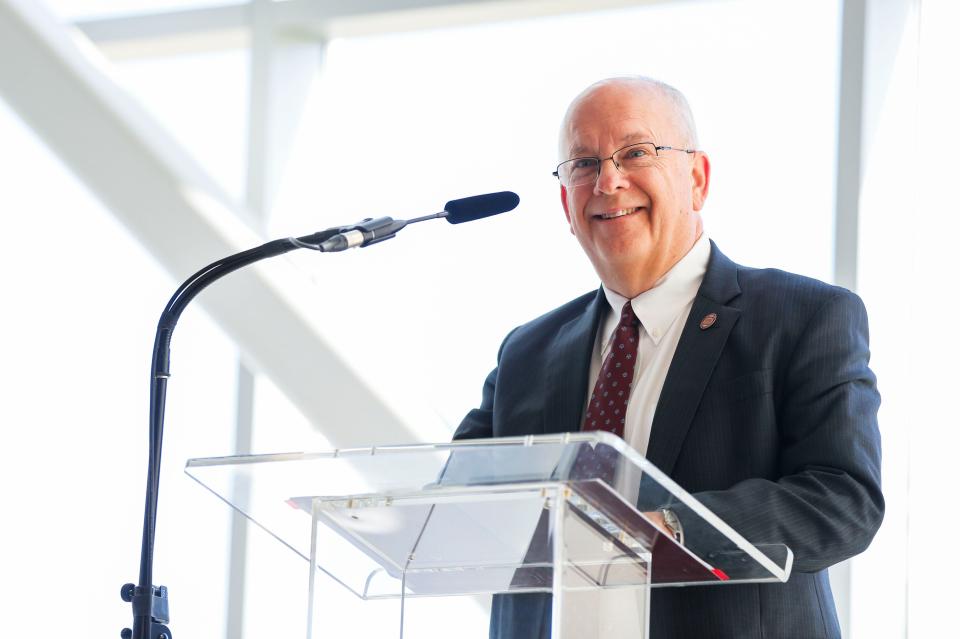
{"x": 150, "y": 604}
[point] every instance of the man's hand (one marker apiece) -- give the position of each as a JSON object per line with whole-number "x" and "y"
{"x": 656, "y": 518}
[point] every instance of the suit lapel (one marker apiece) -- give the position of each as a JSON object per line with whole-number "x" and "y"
{"x": 568, "y": 368}
{"x": 693, "y": 363}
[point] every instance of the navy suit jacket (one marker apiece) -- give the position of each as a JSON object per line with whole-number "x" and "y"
{"x": 769, "y": 417}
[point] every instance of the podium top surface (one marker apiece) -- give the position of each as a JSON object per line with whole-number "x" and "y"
{"x": 468, "y": 516}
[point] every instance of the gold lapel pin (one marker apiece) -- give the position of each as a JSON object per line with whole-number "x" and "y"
{"x": 708, "y": 321}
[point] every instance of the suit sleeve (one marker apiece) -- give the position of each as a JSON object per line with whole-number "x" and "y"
{"x": 827, "y": 504}
{"x": 479, "y": 422}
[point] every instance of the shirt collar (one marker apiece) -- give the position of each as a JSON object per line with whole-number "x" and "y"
{"x": 660, "y": 306}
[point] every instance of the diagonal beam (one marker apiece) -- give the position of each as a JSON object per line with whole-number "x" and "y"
{"x": 182, "y": 218}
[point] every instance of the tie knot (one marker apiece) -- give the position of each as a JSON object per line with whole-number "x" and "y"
{"x": 627, "y": 316}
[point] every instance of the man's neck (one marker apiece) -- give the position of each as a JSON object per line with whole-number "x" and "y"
{"x": 631, "y": 285}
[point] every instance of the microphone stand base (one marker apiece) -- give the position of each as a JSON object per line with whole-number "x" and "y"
{"x": 151, "y": 609}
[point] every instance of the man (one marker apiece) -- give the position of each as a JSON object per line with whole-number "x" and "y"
{"x": 751, "y": 388}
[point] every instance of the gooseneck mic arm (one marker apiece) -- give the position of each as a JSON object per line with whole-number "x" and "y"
{"x": 149, "y": 602}
{"x": 150, "y": 607}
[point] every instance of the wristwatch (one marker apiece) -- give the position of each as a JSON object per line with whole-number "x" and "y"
{"x": 672, "y": 522}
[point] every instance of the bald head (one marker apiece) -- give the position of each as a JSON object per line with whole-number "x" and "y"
{"x": 670, "y": 101}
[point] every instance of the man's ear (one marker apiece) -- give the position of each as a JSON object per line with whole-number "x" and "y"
{"x": 566, "y": 208}
{"x": 701, "y": 179}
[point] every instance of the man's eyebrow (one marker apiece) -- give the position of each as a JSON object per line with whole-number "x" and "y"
{"x": 578, "y": 151}
{"x": 636, "y": 137}
{"x": 629, "y": 138}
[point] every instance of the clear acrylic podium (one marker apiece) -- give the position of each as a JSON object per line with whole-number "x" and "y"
{"x": 565, "y": 514}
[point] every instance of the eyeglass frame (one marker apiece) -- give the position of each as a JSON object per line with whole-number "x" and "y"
{"x": 600, "y": 160}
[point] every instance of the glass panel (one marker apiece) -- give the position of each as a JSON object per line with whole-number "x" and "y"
{"x": 417, "y": 519}
{"x": 600, "y": 591}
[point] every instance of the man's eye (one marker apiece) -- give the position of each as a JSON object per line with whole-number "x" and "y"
{"x": 636, "y": 154}
{"x": 584, "y": 163}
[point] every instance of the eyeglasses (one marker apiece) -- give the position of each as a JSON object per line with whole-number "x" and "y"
{"x": 586, "y": 170}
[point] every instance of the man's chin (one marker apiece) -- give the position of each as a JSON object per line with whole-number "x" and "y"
{"x": 628, "y": 276}
{"x": 625, "y": 252}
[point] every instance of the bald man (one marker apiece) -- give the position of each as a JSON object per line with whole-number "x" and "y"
{"x": 751, "y": 387}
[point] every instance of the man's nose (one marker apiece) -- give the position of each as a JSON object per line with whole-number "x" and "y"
{"x": 610, "y": 178}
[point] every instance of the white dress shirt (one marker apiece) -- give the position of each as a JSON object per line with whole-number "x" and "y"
{"x": 663, "y": 311}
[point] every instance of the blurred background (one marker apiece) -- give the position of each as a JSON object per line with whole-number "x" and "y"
{"x": 143, "y": 139}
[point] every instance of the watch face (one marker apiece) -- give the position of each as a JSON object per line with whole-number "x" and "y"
{"x": 673, "y": 523}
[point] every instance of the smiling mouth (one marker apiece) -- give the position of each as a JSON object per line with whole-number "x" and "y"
{"x": 610, "y": 215}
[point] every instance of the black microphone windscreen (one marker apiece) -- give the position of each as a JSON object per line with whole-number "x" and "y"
{"x": 468, "y": 209}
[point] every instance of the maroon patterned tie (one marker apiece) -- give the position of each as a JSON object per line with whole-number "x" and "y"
{"x": 608, "y": 403}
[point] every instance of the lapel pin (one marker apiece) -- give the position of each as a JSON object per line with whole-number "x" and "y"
{"x": 708, "y": 321}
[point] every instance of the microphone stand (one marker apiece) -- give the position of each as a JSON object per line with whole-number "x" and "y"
{"x": 151, "y": 610}
{"x": 150, "y": 604}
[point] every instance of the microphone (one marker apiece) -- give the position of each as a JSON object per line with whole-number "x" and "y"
{"x": 370, "y": 231}
{"x": 473, "y": 208}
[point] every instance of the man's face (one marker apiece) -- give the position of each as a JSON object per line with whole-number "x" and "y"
{"x": 631, "y": 251}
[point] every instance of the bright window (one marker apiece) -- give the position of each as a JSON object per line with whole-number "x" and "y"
{"x": 82, "y": 299}
{"x": 398, "y": 124}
